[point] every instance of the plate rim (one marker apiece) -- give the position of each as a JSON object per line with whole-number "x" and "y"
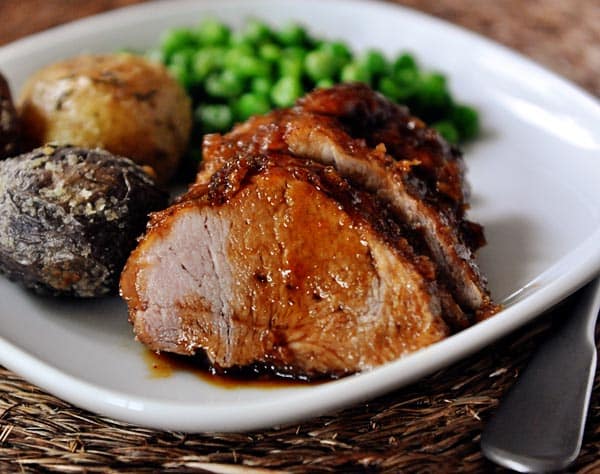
{"x": 127, "y": 407}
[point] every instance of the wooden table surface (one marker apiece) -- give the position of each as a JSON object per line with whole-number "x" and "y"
{"x": 562, "y": 35}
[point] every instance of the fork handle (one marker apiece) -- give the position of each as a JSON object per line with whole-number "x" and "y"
{"x": 539, "y": 426}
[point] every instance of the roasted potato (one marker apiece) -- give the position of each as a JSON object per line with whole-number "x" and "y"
{"x": 9, "y": 122}
{"x": 69, "y": 218}
{"x": 119, "y": 102}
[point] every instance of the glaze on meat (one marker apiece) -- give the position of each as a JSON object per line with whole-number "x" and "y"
{"x": 328, "y": 238}
{"x": 288, "y": 273}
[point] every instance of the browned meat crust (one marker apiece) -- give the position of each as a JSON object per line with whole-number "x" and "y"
{"x": 369, "y": 116}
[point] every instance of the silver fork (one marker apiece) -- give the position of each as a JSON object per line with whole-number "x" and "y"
{"x": 539, "y": 426}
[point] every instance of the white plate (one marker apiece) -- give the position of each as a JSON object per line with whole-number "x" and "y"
{"x": 535, "y": 176}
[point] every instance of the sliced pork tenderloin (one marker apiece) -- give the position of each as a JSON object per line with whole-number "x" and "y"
{"x": 279, "y": 260}
{"x": 320, "y": 129}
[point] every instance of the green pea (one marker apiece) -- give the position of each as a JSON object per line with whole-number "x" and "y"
{"x": 261, "y": 85}
{"x": 320, "y": 65}
{"x": 251, "y": 66}
{"x": 355, "y": 72}
{"x": 239, "y": 39}
{"x": 447, "y": 130}
{"x": 212, "y": 32}
{"x": 214, "y": 117}
{"x": 253, "y": 69}
{"x": 395, "y": 90}
{"x": 375, "y": 62}
{"x": 183, "y": 56}
{"x": 233, "y": 55}
{"x": 406, "y": 77}
{"x": 286, "y": 91}
{"x": 295, "y": 52}
{"x": 466, "y": 121}
{"x": 388, "y": 87}
{"x": 324, "y": 83}
{"x": 431, "y": 91}
{"x": 292, "y": 34}
{"x": 175, "y": 39}
{"x": 181, "y": 73}
{"x": 338, "y": 49}
{"x": 205, "y": 61}
{"x": 225, "y": 84}
{"x": 252, "y": 104}
{"x": 291, "y": 66}
{"x": 405, "y": 61}
{"x": 181, "y": 66}
{"x": 257, "y": 32}
{"x": 269, "y": 52}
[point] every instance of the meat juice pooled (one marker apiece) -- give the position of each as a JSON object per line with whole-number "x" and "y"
{"x": 164, "y": 365}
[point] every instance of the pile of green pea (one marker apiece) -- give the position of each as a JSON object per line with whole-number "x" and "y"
{"x": 232, "y": 75}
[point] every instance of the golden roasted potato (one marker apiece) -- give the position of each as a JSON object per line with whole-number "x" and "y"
{"x": 120, "y": 102}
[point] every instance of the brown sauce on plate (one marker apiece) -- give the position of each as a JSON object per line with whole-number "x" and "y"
{"x": 164, "y": 365}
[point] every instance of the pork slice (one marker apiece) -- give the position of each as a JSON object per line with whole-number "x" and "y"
{"x": 368, "y": 115}
{"x": 277, "y": 262}
{"x": 320, "y": 138}
{"x": 259, "y": 134}
{"x": 353, "y": 128}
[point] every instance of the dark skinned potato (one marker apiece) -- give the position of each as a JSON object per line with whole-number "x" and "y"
{"x": 69, "y": 217}
{"x": 9, "y": 122}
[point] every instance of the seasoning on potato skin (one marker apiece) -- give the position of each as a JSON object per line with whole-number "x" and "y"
{"x": 69, "y": 218}
{"x": 119, "y": 102}
{"x": 9, "y": 122}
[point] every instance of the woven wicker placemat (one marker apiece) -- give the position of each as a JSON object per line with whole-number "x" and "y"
{"x": 431, "y": 426}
